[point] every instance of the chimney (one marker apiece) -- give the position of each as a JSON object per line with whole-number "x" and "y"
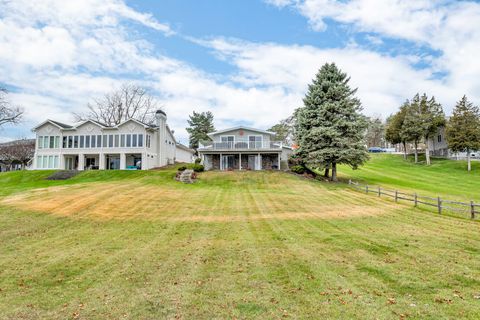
{"x": 161, "y": 117}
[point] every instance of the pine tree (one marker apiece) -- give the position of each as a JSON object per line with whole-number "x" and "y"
{"x": 463, "y": 129}
{"x": 329, "y": 127}
{"x": 412, "y": 125}
{"x": 201, "y": 123}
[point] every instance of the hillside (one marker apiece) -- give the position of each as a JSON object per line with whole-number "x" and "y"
{"x": 447, "y": 178}
{"x": 109, "y": 245}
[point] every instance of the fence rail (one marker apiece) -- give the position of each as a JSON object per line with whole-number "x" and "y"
{"x": 438, "y": 202}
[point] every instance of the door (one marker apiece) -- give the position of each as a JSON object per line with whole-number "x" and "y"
{"x": 255, "y": 142}
{"x": 253, "y": 162}
{"x": 227, "y": 142}
{"x": 227, "y": 162}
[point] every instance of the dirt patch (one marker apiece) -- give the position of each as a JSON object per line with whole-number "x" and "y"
{"x": 134, "y": 200}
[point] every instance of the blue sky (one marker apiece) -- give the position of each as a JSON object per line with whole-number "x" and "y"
{"x": 248, "y": 62}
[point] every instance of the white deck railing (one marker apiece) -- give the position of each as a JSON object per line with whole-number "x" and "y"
{"x": 241, "y": 145}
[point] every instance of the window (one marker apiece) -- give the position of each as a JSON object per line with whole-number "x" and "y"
{"x": 65, "y": 142}
{"x": 110, "y": 141}
{"x": 99, "y": 141}
{"x": 122, "y": 141}
{"x": 57, "y": 142}
{"x": 117, "y": 142}
{"x": 439, "y": 138}
{"x": 92, "y": 142}
{"x": 254, "y": 142}
{"x": 134, "y": 140}
{"x": 140, "y": 140}
{"x": 105, "y": 137}
{"x": 70, "y": 141}
{"x": 45, "y": 142}
{"x": 87, "y": 141}
{"x": 75, "y": 141}
{"x": 40, "y": 142}
{"x": 52, "y": 142}
{"x": 129, "y": 140}
{"x": 50, "y": 161}
{"x": 82, "y": 141}
{"x": 55, "y": 162}
{"x": 45, "y": 162}
{"x": 39, "y": 162}
{"x": 148, "y": 141}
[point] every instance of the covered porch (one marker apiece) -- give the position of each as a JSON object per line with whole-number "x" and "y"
{"x": 103, "y": 161}
{"x": 241, "y": 161}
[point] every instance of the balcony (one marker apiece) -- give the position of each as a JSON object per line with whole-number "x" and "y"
{"x": 240, "y": 145}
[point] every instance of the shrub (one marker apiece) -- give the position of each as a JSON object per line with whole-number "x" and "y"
{"x": 182, "y": 168}
{"x": 198, "y": 160}
{"x": 198, "y": 167}
{"x": 298, "y": 169}
{"x": 295, "y": 160}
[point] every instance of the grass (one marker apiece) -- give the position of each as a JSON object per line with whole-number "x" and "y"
{"x": 234, "y": 245}
{"x": 447, "y": 178}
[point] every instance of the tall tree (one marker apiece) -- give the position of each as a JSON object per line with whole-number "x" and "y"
{"x": 19, "y": 151}
{"x": 433, "y": 118}
{"x": 394, "y": 128}
{"x": 8, "y": 112}
{"x": 201, "y": 123}
{"x": 329, "y": 127}
{"x": 463, "y": 129}
{"x": 284, "y": 130}
{"x": 128, "y": 102}
{"x": 375, "y": 135}
{"x": 412, "y": 125}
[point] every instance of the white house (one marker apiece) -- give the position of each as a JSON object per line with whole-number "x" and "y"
{"x": 93, "y": 145}
{"x": 243, "y": 148}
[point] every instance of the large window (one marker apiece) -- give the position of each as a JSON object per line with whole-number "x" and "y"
{"x": 134, "y": 140}
{"x": 105, "y": 141}
{"x": 82, "y": 141}
{"x": 110, "y": 141}
{"x": 122, "y": 141}
{"x": 99, "y": 141}
{"x": 117, "y": 140}
{"x": 48, "y": 142}
{"x": 92, "y": 142}
{"x": 57, "y": 142}
{"x": 87, "y": 141}
{"x": 75, "y": 141}
{"x": 70, "y": 141}
{"x": 40, "y": 142}
{"x": 140, "y": 140}
{"x": 47, "y": 162}
{"x": 129, "y": 140}
{"x": 254, "y": 142}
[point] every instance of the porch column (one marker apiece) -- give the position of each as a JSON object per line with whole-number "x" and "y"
{"x": 101, "y": 161}
{"x": 259, "y": 159}
{"x": 61, "y": 162}
{"x": 239, "y": 161}
{"x": 144, "y": 161}
{"x": 81, "y": 161}
{"x": 123, "y": 161}
{"x": 278, "y": 155}
{"x": 221, "y": 162}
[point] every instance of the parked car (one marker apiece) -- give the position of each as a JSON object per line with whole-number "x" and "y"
{"x": 376, "y": 149}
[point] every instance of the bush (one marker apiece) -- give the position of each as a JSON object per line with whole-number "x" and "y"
{"x": 295, "y": 160}
{"x": 298, "y": 169}
{"x": 198, "y": 160}
{"x": 198, "y": 167}
{"x": 182, "y": 168}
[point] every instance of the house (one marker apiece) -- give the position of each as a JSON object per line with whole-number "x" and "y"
{"x": 93, "y": 145}
{"x": 437, "y": 144}
{"x": 243, "y": 148}
{"x": 16, "y": 154}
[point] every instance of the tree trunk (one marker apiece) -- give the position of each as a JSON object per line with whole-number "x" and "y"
{"x": 416, "y": 152}
{"x": 469, "y": 162}
{"x": 427, "y": 151}
{"x": 404, "y": 150}
{"x": 334, "y": 172}
{"x": 327, "y": 171}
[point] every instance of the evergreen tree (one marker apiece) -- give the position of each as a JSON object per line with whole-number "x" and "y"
{"x": 412, "y": 125}
{"x": 329, "y": 127}
{"x": 201, "y": 123}
{"x": 463, "y": 129}
{"x": 394, "y": 128}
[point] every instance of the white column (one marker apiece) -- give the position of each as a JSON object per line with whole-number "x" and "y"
{"x": 259, "y": 159}
{"x": 144, "y": 161}
{"x": 61, "y": 162}
{"x": 81, "y": 161}
{"x": 239, "y": 161}
{"x": 101, "y": 161}
{"x": 279, "y": 160}
{"x": 123, "y": 161}
{"x": 221, "y": 162}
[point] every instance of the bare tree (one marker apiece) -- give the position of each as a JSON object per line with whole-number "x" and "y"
{"x": 19, "y": 151}
{"x": 127, "y": 102}
{"x": 8, "y": 112}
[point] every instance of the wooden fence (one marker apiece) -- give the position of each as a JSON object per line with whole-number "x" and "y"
{"x": 439, "y": 203}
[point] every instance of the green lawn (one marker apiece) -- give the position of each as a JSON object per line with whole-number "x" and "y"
{"x": 138, "y": 245}
{"x": 447, "y": 178}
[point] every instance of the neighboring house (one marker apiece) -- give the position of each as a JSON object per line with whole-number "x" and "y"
{"x": 93, "y": 145}
{"x": 243, "y": 148}
{"x": 16, "y": 155}
{"x": 438, "y": 145}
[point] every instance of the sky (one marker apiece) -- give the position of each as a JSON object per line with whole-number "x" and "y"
{"x": 247, "y": 61}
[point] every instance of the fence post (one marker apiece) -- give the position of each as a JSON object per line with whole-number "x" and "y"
{"x": 379, "y": 191}
{"x": 366, "y": 188}
{"x": 439, "y": 205}
{"x": 472, "y": 209}
{"x": 416, "y": 199}
{"x": 396, "y": 195}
